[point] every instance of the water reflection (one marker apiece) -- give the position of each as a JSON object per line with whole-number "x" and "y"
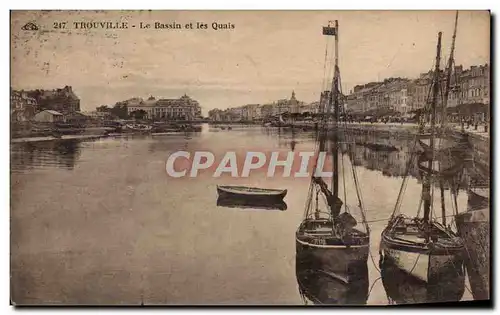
{"x": 402, "y": 288}
{"x": 321, "y": 287}
{"x": 388, "y": 153}
{"x": 134, "y": 192}
{"x": 250, "y": 204}
{"x": 56, "y": 153}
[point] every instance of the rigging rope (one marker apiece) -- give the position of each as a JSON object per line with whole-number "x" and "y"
{"x": 320, "y": 130}
{"x": 323, "y": 84}
{"x": 405, "y": 179}
{"x": 373, "y": 284}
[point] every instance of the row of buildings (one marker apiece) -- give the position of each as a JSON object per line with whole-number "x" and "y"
{"x": 26, "y": 105}
{"x": 402, "y": 95}
{"x": 468, "y": 86}
{"x": 251, "y": 112}
{"x": 63, "y": 105}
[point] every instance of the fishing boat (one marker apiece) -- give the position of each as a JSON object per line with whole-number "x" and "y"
{"x": 329, "y": 231}
{"x": 251, "y": 193}
{"x": 424, "y": 246}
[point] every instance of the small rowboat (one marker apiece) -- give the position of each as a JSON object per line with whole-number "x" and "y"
{"x": 138, "y": 127}
{"x": 252, "y": 193}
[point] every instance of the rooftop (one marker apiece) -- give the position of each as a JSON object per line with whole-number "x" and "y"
{"x": 53, "y": 112}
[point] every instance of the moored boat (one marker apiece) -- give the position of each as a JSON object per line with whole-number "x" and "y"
{"x": 426, "y": 257}
{"x": 251, "y": 193}
{"x": 420, "y": 245}
{"x": 329, "y": 232}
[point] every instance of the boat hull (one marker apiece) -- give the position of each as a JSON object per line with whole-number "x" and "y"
{"x": 474, "y": 228}
{"x": 424, "y": 263}
{"x": 339, "y": 261}
{"x": 256, "y": 197}
{"x": 403, "y": 288}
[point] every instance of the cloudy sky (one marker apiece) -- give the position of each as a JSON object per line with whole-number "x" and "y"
{"x": 266, "y": 56}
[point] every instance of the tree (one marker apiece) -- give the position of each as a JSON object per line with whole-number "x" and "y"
{"x": 138, "y": 114}
{"x": 102, "y": 108}
{"x": 120, "y": 110}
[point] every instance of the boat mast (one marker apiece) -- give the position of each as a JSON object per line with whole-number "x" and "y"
{"x": 444, "y": 110}
{"x": 335, "y": 92}
{"x": 448, "y": 74}
{"x": 435, "y": 92}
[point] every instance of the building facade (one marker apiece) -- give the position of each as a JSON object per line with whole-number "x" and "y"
{"x": 252, "y": 112}
{"x": 183, "y": 108}
{"x": 48, "y": 116}
{"x": 22, "y": 106}
{"x": 471, "y": 86}
{"x": 62, "y": 100}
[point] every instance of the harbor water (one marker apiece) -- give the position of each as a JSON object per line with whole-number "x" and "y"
{"x": 101, "y": 222}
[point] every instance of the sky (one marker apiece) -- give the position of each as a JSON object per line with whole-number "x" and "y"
{"x": 263, "y": 58}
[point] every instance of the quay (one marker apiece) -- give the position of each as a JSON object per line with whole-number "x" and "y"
{"x": 479, "y": 139}
{"x": 388, "y": 127}
{"x": 49, "y": 138}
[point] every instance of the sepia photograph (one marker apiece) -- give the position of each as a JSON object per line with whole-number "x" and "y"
{"x": 248, "y": 158}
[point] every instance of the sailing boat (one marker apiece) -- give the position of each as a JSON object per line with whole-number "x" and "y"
{"x": 474, "y": 224}
{"x": 333, "y": 238}
{"x": 422, "y": 246}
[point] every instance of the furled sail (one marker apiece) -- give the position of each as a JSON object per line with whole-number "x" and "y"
{"x": 334, "y": 203}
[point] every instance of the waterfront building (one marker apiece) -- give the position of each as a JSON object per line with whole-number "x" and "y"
{"x": 251, "y": 112}
{"x": 396, "y": 95}
{"x": 293, "y": 104}
{"x": 419, "y": 89}
{"x": 312, "y": 108}
{"x": 100, "y": 115}
{"x": 267, "y": 110}
{"x": 364, "y": 97}
{"x": 77, "y": 118}
{"x": 176, "y": 109}
{"x": 469, "y": 86}
{"x": 215, "y": 114}
{"x": 475, "y": 85}
{"x": 62, "y": 100}
{"x": 22, "y": 106}
{"x": 49, "y": 116}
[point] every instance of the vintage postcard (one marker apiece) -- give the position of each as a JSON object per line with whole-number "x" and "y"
{"x": 250, "y": 157}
